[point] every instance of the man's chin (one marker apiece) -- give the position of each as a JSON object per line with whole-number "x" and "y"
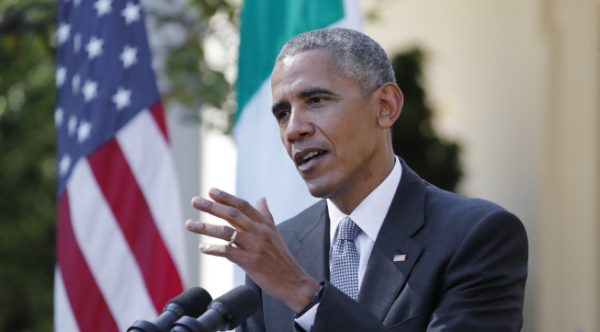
{"x": 318, "y": 190}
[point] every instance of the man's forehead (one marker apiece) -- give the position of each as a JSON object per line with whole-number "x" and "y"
{"x": 318, "y": 54}
{"x": 302, "y": 84}
{"x": 288, "y": 60}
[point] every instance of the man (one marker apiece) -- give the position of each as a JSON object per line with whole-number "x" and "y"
{"x": 418, "y": 258}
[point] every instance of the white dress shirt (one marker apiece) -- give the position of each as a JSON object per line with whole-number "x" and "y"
{"x": 369, "y": 216}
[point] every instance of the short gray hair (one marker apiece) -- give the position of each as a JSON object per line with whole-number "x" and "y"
{"x": 357, "y": 56}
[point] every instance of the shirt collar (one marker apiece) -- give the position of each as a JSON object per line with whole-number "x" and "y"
{"x": 370, "y": 213}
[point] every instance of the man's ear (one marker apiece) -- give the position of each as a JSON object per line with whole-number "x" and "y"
{"x": 391, "y": 100}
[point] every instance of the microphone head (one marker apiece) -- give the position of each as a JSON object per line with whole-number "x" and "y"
{"x": 193, "y": 301}
{"x": 236, "y": 305}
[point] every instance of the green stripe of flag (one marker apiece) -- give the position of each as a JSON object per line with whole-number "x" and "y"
{"x": 265, "y": 26}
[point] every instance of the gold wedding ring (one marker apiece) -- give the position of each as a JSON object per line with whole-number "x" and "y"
{"x": 232, "y": 238}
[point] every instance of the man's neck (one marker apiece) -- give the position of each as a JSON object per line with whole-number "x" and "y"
{"x": 347, "y": 202}
{"x": 371, "y": 211}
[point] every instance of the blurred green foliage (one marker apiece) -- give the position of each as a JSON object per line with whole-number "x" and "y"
{"x": 413, "y": 135}
{"x": 192, "y": 81}
{"x": 27, "y": 164}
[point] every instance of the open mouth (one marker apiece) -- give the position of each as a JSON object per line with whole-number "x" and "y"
{"x": 304, "y": 159}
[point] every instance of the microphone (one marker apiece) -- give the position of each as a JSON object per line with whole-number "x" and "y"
{"x": 193, "y": 301}
{"x": 224, "y": 313}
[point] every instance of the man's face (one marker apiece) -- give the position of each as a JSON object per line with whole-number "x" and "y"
{"x": 327, "y": 125}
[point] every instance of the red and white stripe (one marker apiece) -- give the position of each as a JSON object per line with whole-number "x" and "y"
{"x": 119, "y": 234}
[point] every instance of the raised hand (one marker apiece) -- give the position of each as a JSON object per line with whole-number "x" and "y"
{"x": 255, "y": 245}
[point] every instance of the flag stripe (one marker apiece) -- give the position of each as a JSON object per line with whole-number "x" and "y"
{"x": 267, "y": 171}
{"x": 106, "y": 250}
{"x": 265, "y": 26}
{"x": 121, "y": 191}
{"x": 155, "y": 175}
{"x": 158, "y": 113}
{"x": 86, "y": 300}
{"x": 62, "y": 311}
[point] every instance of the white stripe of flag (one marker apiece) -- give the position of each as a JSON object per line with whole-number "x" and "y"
{"x": 149, "y": 156}
{"x": 62, "y": 309}
{"x": 106, "y": 250}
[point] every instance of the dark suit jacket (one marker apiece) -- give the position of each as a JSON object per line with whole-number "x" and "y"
{"x": 465, "y": 267}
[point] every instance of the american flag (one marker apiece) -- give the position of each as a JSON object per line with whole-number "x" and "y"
{"x": 120, "y": 254}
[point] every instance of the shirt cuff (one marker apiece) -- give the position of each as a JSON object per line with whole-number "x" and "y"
{"x": 307, "y": 319}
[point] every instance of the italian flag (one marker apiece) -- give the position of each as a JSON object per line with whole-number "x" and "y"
{"x": 263, "y": 167}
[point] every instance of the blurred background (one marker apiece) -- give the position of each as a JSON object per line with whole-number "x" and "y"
{"x": 505, "y": 96}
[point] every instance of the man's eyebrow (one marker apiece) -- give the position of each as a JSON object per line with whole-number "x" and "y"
{"x": 314, "y": 91}
{"x": 306, "y": 93}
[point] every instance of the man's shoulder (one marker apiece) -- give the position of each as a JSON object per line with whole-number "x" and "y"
{"x": 441, "y": 205}
{"x": 453, "y": 204}
{"x": 456, "y": 213}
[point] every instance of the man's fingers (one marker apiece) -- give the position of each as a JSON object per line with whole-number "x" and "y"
{"x": 219, "y": 250}
{"x": 239, "y": 204}
{"x": 233, "y": 254}
{"x": 262, "y": 207}
{"x": 233, "y": 215}
{"x": 222, "y": 232}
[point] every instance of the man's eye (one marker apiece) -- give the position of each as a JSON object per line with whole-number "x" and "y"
{"x": 315, "y": 100}
{"x": 280, "y": 115}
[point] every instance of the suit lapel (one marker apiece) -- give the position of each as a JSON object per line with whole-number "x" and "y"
{"x": 395, "y": 253}
{"x": 310, "y": 245}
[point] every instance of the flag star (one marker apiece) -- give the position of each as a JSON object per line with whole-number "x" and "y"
{"x": 77, "y": 2}
{"x": 77, "y": 43}
{"x": 129, "y": 56}
{"x": 131, "y": 13}
{"x": 103, "y": 7}
{"x": 94, "y": 47}
{"x": 90, "y": 88}
{"x": 83, "y": 132}
{"x": 64, "y": 164}
{"x": 63, "y": 32}
{"x": 72, "y": 125}
{"x": 58, "y": 116}
{"x": 122, "y": 98}
{"x": 75, "y": 84}
{"x": 61, "y": 76}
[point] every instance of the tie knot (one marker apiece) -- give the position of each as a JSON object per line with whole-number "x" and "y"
{"x": 348, "y": 230}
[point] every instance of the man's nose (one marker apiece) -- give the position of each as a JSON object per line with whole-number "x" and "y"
{"x": 299, "y": 125}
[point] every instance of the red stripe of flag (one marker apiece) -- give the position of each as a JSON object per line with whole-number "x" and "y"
{"x": 131, "y": 210}
{"x": 86, "y": 301}
{"x": 158, "y": 114}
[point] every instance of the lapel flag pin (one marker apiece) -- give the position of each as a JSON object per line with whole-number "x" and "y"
{"x": 399, "y": 258}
